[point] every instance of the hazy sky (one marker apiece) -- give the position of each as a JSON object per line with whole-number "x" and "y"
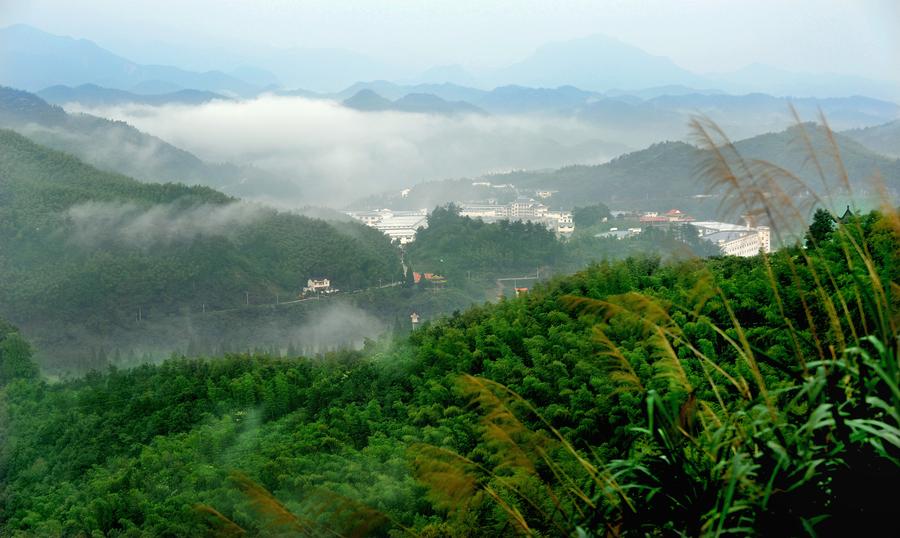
{"x": 847, "y": 36}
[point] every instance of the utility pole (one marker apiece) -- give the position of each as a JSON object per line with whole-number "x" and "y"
{"x": 140, "y": 314}
{"x": 276, "y": 298}
{"x": 204, "y": 308}
{"x": 247, "y": 298}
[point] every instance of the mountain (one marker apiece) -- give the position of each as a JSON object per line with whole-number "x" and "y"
{"x": 658, "y": 178}
{"x": 641, "y": 117}
{"x": 91, "y": 95}
{"x": 595, "y": 63}
{"x": 421, "y": 103}
{"x": 368, "y": 101}
{"x": 119, "y": 147}
{"x": 33, "y": 60}
{"x": 881, "y": 138}
{"x": 86, "y": 253}
{"x": 393, "y": 91}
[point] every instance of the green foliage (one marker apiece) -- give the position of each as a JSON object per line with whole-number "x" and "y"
{"x": 15, "y": 356}
{"x": 556, "y": 388}
{"x": 60, "y": 274}
{"x": 590, "y": 215}
{"x": 455, "y": 246}
{"x": 821, "y": 227}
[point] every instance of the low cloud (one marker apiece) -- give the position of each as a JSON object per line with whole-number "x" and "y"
{"x": 95, "y": 223}
{"x": 337, "y": 154}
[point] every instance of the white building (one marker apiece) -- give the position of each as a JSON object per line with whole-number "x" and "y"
{"x": 523, "y": 209}
{"x": 400, "y": 226}
{"x": 734, "y": 239}
{"x": 318, "y": 285}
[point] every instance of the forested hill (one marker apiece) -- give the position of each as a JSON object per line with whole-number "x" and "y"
{"x": 84, "y": 250}
{"x": 118, "y": 147}
{"x": 664, "y": 175}
{"x": 881, "y": 138}
{"x": 633, "y": 396}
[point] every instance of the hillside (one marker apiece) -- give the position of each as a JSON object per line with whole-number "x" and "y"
{"x": 118, "y": 147}
{"x": 88, "y": 252}
{"x": 91, "y": 95}
{"x": 624, "y": 378}
{"x": 884, "y": 138}
{"x": 368, "y": 100}
{"x": 659, "y": 177}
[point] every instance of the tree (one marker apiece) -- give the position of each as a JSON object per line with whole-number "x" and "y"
{"x": 15, "y": 356}
{"x": 821, "y": 227}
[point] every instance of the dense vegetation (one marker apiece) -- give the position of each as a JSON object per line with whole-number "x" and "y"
{"x": 472, "y": 253}
{"x": 457, "y": 247}
{"x": 85, "y": 251}
{"x": 724, "y": 396}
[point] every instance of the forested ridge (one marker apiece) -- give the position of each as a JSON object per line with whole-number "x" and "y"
{"x": 91, "y": 250}
{"x": 615, "y": 390}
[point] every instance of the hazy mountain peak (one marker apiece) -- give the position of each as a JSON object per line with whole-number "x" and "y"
{"x": 596, "y": 62}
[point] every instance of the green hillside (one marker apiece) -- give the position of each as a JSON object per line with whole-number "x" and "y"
{"x": 694, "y": 398}
{"x": 90, "y": 249}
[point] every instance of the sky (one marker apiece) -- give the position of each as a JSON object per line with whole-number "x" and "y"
{"x": 858, "y": 37}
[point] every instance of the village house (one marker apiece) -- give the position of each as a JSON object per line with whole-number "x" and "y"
{"x": 317, "y": 286}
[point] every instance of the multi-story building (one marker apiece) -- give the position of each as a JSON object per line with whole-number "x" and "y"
{"x": 524, "y": 209}
{"x": 400, "y": 226}
{"x": 734, "y": 239}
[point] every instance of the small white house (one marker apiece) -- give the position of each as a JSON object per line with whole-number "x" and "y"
{"x": 318, "y": 285}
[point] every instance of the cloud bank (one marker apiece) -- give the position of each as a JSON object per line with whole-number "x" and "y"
{"x": 337, "y": 154}
{"x": 95, "y": 223}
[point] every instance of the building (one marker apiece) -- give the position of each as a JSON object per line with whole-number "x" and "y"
{"x": 318, "y": 285}
{"x": 429, "y": 277}
{"x": 620, "y": 234}
{"x": 523, "y": 209}
{"x": 400, "y": 226}
{"x": 672, "y": 216}
{"x": 734, "y": 239}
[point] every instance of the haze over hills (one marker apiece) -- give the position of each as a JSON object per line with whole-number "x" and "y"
{"x": 881, "y": 138}
{"x": 119, "y": 147}
{"x": 93, "y": 95}
{"x": 84, "y": 250}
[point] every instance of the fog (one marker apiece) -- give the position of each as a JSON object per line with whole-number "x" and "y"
{"x": 95, "y": 223}
{"x": 309, "y": 328}
{"x": 337, "y": 154}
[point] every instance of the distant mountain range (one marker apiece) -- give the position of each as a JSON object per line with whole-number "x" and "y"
{"x": 628, "y": 118}
{"x": 92, "y": 95}
{"x": 118, "y": 147}
{"x": 32, "y": 59}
